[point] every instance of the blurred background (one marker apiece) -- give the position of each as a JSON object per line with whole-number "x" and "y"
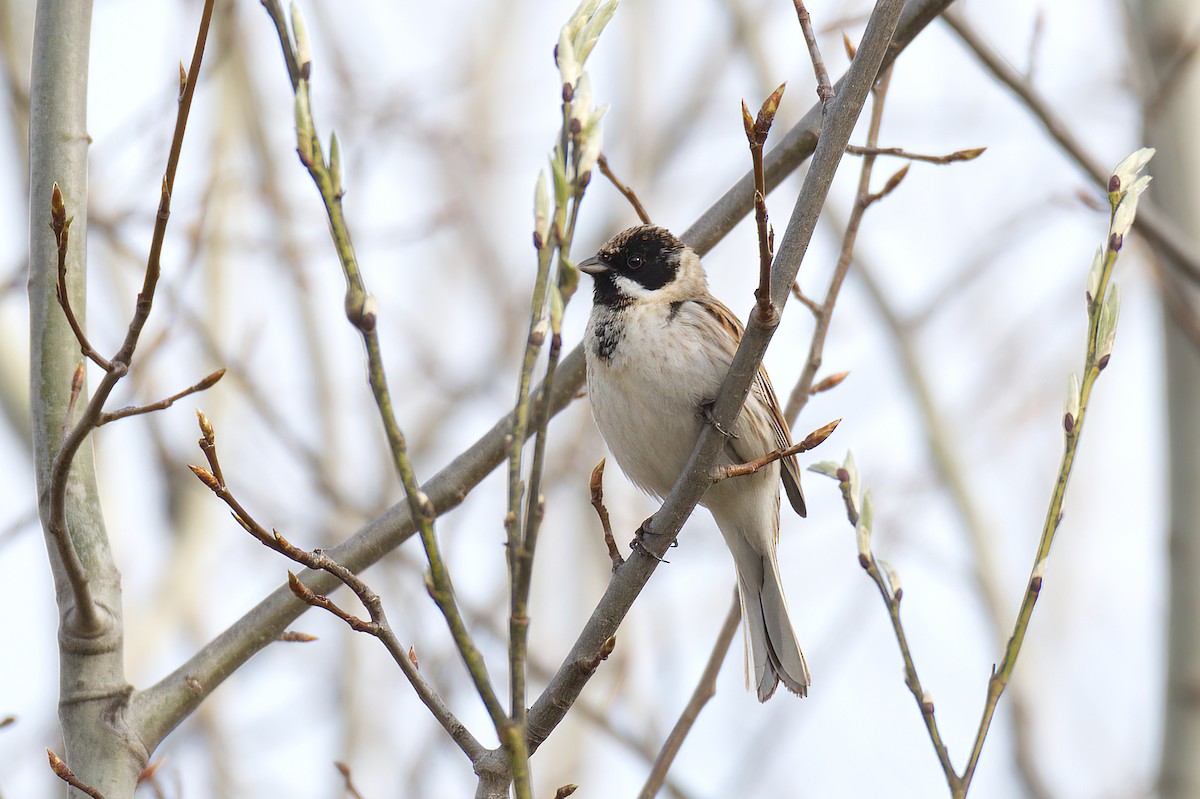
{"x": 959, "y": 323}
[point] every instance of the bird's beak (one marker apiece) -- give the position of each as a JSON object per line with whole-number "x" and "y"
{"x": 594, "y": 266}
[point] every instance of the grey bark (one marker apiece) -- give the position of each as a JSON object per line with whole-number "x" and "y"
{"x": 92, "y": 689}
{"x": 1167, "y": 31}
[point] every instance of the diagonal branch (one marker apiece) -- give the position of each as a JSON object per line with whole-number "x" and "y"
{"x": 378, "y": 625}
{"x": 824, "y": 90}
{"x": 1162, "y": 232}
{"x": 136, "y": 410}
{"x": 706, "y": 688}
{"x": 824, "y": 312}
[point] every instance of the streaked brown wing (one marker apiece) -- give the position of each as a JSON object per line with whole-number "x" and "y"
{"x": 766, "y": 395}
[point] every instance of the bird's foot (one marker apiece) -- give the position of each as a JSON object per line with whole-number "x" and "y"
{"x": 706, "y": 411}
{"x": 639, "y": 542}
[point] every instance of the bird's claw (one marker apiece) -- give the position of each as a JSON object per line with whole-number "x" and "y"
{"x": 639, "y": 542}
{"x": 706, "y": 410}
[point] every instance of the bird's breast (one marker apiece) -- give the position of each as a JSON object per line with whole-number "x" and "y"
{"x": 648, "y": 375}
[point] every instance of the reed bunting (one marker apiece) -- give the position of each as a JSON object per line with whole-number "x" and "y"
{"x": 658, "y": 348}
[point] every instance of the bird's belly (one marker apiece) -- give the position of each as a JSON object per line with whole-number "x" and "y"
{"x": 648, "y": 411}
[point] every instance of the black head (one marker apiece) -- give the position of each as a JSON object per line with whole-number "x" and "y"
{"x": 648, "y": 256}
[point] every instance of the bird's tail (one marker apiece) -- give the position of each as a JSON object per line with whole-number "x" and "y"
{"x": 773, "y": 654}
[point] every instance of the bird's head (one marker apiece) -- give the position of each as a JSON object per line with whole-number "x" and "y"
{"x": 645, "y": 263}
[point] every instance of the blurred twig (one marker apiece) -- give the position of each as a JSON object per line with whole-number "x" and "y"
{"x": 824, "y": 90}
{"x": 377, "y": 625}
{"x": 706, "y": 688}
{"x": 628, "y": 193}
{"x": 1157, "y": 227}
{"x": 863, "y": 199}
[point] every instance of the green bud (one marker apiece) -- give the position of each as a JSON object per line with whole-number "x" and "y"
{"x": 303, "y": 48}
{"x": 335, "y": 164}
{"x": 304, "y": 131}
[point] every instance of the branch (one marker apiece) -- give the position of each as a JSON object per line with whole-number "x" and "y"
{"x": 812, "y": 440}
{"x": 361, "y": 310}
{"x": 1162, "y": 232}
{"x": 824, "y": 312}
{"x": 61, "y": 226}
{"x": 156, "y": 710}
{"x": 859, "y": 513}
{"x": 203, "y": 385}
{"x": 627, "y": 192}
{"x": 706, "y": 688}
{"x": 1103, "y": 305}
{"x": 596, "y": 485}
{"x": 756, "y": 136}
{"x": 897, "y": 152}
{"x": 88, "y": 620}
{"x": 378, "y": 625}
{"x": 800, "y": 141}
{"x": 953, "y": 474}
{"x": 824, "y": 90}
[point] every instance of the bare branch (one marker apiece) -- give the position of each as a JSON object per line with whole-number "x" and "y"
{"x": 824, "y": 312}
{"x": 625, "y": 190}
{"x": 757, "y": 130}
{"x": 889, "y": 590}
{"x": 824, "y": 90}
{"x": 344, "y": 770}
{"x": 596, "y": 484}
{"x": 88, "y": 618}
{"x": 203, "y": 385}
{"x": 811, "y": 441}
{"x": 897, "y": 152}
{"x": 1162, "y": 232}
{"x": 706, "y": 688}
{"x": 61, "y": 226}
{"x": 377, "y": 626}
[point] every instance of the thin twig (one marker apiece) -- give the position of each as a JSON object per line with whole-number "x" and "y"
{"x": 953, "y": 472}
{"x": 824, "y": 313}
{"x": 1159, "y": 228}
{"x": 554, "y": 234}
{"x": 77, "y": 378}
{"x": 804, "y": 299}
{"x": 134, "y": 410}
{"x": 377, "y": 626}
{"x": 706, "y": 688}
{"x": 61, "y": 226}
{"x": 361, "y": 310}
{"x": 824, "y": 89}
{"x": 889, "y": 590}
{"x": 757, "y": 130}
{"x": 596, "y": 485}
{"x": 65, "y": 774}
{"x": 898, "y": 152}
{"x": 1102, "y": 316}
{"x": 812, "y": 440}
{"x": 625, "y": 190}
{"x": 344, "y": 770}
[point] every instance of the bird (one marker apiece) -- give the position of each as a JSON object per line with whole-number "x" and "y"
{"x": 658, "y": 346}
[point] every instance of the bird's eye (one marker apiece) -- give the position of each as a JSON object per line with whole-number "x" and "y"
{"x": 635, "y": 262}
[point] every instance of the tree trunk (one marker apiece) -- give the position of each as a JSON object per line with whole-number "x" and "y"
{"x": 1172, "y": 124}
{"x": 92, "y": 691}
